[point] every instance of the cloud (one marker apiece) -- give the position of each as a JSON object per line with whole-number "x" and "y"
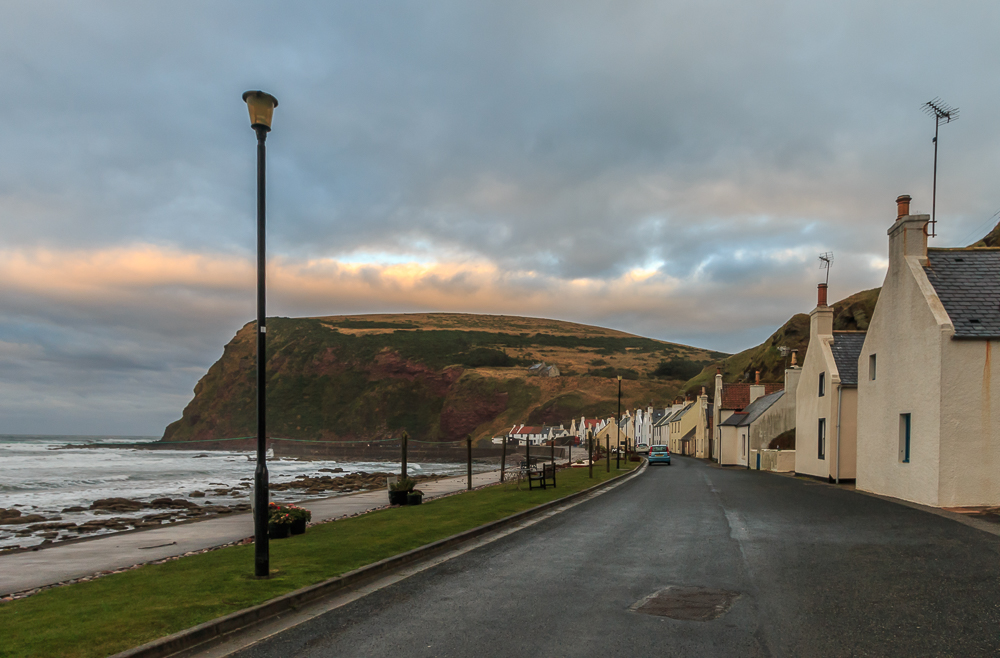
{"x": 657, "y": 167}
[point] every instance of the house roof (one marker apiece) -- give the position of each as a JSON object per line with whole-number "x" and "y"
{"x": 846, "y": 348}
{"x": 680, "y": 414}
{"x": 966, "y": 281}
{"x": 737, "y": 395}
{"x": 665, "y": 419}
{"x": 758, "y": 407}
{"x": 658, "y": 414}
{"x": 689, "y": 435}
{"x": 734, "y": 419}
{"x": 527, "y": 429}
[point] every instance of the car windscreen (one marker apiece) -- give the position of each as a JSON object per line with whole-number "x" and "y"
{"x": 658, "y": 449}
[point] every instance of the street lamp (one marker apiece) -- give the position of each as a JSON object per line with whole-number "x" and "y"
{"x": 618, "y": 423}
{"x": 261, "y": 107}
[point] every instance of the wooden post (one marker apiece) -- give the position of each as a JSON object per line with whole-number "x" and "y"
{"x": 403, "y": 468}
{"x": 607, "y": 449}
{"x": 590, "y": 452}
{"x": 503, "y": 458}
{"x": 553, "y": 446}
{"x": 468, "y": 443}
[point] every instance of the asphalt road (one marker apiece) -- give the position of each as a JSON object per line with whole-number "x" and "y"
{"x": 819, "y": 571}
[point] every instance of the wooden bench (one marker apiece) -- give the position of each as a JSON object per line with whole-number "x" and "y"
{"x": 544, "y": 478}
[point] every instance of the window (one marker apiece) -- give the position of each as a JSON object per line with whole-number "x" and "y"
{"x": 821, "y": 438}
{"x": 871, "y": 367}
{"x": 904, "y": 438}
{"x": 822, "y": 384}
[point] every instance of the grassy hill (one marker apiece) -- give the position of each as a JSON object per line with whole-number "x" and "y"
{"x": 439, "y": 376}
{"x": 851, "y": 313}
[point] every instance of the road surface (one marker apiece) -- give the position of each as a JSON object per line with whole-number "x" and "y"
{"x": 810, "y": 570}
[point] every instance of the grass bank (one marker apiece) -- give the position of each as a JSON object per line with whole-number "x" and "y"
{"x": 114, "y": 613}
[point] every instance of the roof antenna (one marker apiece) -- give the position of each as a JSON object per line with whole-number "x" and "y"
{"x": 824, "y": 263}
{"x": 942, "y": 113}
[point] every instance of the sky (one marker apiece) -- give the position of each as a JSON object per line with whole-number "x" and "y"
{"x": 667, "y": 168}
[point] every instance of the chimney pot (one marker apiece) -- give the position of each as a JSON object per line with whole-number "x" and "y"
{"x": 757, "y": 377}
{"x": 902, "y": 206}
{"x": 821, "y": 295}
{"x": 718, "y": 370}
{"x": 795, "y": 356}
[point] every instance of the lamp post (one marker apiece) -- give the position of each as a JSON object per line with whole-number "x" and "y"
{"x": 261, "y": 107}
{"x": 618, "y": 422}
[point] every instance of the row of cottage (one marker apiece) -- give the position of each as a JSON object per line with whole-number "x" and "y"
{"x": 908, "y": 408}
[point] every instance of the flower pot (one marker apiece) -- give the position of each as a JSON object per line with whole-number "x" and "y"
{"x": 397, "y": 497}
{"x": 414, "y": 499}
{"x": 298, "y": 527}
{"x": 278, "y": 530}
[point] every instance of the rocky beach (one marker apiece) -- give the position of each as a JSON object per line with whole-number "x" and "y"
{"x": 58, "y": 490}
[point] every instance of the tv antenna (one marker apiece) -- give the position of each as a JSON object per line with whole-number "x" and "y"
{"x": 825, "y": 259}
{"x": 942, "y": 113}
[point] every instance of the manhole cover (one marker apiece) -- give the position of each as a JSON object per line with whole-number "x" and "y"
{"x": 687, "y": 603}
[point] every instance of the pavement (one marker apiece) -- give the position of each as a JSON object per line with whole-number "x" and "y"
{"x": 731, "y": 563}
{"x": 61, "y": 562}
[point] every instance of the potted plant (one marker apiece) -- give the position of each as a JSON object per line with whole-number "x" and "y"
{"x": 300, "y": 517}
{"x": 415, "y": 497}
{"x": 399, "y": 490}
{"x": 279, "y": 522}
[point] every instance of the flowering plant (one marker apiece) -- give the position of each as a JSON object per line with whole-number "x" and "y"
{"x": 299, "y": 513}
{"x": 278, "y": 515}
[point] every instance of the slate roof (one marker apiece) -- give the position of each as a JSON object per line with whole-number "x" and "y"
{"x": 680, "y": 414}
{"x": 968, "y": 283}
{"x": 758, "y": 407}
{"x": 846, "y": 348}
{"x": 737, "y": 396}
{"x": 689, "y": 435}
{"x": 733, "y": 420}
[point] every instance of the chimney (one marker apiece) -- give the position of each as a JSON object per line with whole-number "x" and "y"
{"x": 907, "y": 235}
{"x": 821, "y": 295}
{"x": 795, "y": 357}
{"x": 757, "y": 377}
{"x": 902, "y": 206}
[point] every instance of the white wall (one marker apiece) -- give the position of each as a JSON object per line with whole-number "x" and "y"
{"x": 905, "y": 334}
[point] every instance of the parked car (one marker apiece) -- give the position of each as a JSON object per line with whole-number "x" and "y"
{"x": 641, "y": 448}
{"x": 659, "y": 455}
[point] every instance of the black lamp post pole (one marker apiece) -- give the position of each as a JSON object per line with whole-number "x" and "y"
{"x": 261, "y": 553}
{"x": 618, "y": 420}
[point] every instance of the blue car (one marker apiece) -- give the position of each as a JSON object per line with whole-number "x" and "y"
{"x": 659, "y": 455}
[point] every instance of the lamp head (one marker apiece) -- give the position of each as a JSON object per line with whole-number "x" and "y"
{"x": 261, "y": 106}
{"x": 619, "y": 377}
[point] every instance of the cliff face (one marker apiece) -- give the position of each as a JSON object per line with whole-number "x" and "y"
{"x": 440, "y": 377}
{"x": 851, "y": 313}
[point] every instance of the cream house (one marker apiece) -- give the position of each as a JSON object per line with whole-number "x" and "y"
{"x": 929, "y": 390}
{"x": 729, "y": 399}
{"x": 827, "y": 398}
{"x": 690, "y": 427}
{"x": 771, "y": 411}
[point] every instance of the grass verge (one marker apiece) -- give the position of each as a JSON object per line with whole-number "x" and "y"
{"x": 117, "y": 612}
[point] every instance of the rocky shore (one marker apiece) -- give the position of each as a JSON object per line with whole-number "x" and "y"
{"x": 120, "y": 514}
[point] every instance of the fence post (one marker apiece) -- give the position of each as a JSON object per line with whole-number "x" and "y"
{"x": 468, "y": 443}
{"x": 403, "y": 468}
{"x": 553, "y": 457}
{"x": 607, "y": 449}
{"x": 590, "y": 452}
{"x": 503, "y": 458}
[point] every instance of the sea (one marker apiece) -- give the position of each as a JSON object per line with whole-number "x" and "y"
{"x": 47, "y": 474}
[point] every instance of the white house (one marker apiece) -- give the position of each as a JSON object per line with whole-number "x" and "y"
{"x": 929, "y": 387}
{"x": 827, "y": 398}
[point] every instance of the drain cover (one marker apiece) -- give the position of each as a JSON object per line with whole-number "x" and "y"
{"x": 687, "y": 603}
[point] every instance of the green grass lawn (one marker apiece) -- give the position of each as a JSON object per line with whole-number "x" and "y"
{"x": 117, "y": 612}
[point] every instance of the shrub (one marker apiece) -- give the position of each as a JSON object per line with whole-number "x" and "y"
{"x": 677, "y": 369}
